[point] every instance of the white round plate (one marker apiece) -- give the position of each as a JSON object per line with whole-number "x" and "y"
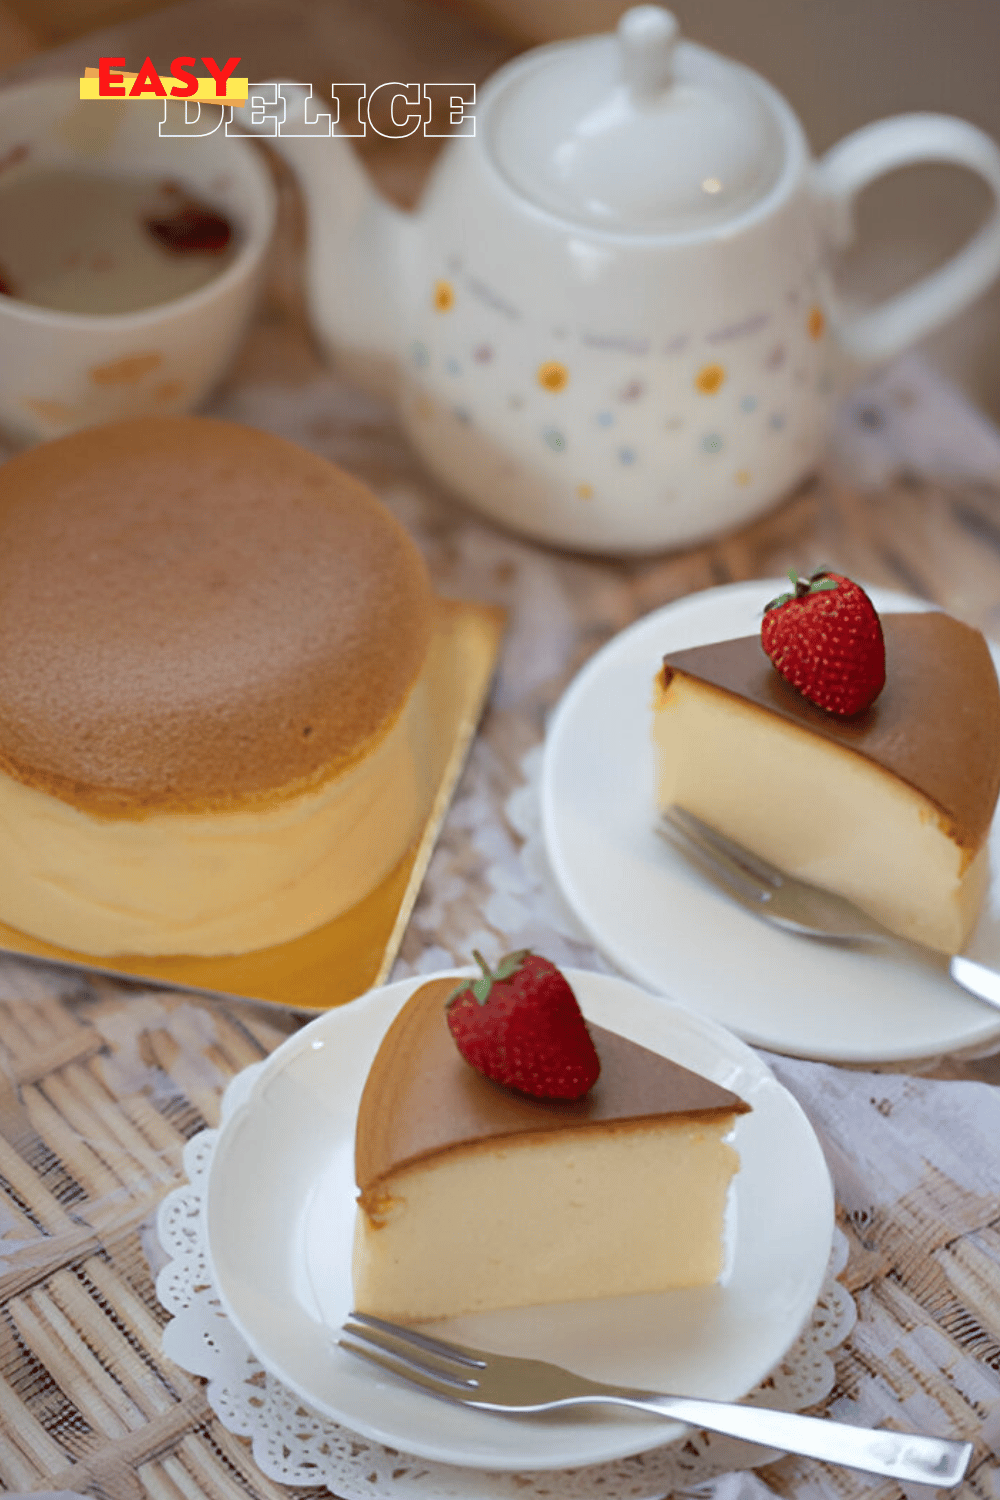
{"x": 665, "y": 926}
{"x": 280, "y": 1220}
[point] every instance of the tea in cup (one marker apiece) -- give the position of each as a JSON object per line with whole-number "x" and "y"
{"x": 129, "y": 260}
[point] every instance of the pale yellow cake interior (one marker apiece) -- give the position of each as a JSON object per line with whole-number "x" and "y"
{"x": 818, "y": 811}
{"x": 530, "y": 1220}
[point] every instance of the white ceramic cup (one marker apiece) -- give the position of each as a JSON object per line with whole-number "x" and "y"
{"x": 60, "y": 371}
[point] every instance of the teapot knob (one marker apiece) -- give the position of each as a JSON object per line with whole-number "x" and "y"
{"x": 647, "y": 35}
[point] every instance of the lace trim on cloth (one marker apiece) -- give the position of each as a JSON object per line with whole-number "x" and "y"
{"x": 295, "y": 1445}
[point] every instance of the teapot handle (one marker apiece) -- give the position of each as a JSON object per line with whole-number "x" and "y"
{"x": 885, "y": 330}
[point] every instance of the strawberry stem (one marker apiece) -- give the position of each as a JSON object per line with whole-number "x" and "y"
{"x": 481, "y": 987}
{"x": 819, "y": 583}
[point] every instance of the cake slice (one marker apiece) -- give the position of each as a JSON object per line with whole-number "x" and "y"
{"x": 474, "y": 1196}
{"x": 890, "y": 808}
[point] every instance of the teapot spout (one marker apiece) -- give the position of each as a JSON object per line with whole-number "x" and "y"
{"x": 354, "y": 241}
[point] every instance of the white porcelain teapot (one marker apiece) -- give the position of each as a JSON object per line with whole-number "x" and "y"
{"x": 610, "y": 322}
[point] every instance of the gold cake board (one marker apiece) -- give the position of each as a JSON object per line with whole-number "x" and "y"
{"x": 343, "y": 958}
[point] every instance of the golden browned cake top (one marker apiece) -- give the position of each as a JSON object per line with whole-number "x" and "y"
{"x": 422, "y": 1099}
{"x": 935, "y": 725}
{"x": 194, "y": 613}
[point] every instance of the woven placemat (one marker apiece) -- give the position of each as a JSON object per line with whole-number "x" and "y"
{"x": 100, "y": 1088}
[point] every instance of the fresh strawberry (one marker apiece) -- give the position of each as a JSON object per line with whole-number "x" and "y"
{"x": 825, "y": 638}
{"x": 521, "y": 1026}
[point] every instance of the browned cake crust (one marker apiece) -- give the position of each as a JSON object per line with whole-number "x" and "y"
{"x": 935, "y": 725}
{"x": 422, "y": 1098}
{"x": 193, "y": 614}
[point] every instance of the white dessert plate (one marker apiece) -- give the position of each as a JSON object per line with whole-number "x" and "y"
{"x": 664, "y": 925}
{"x": 280, "y": 1221}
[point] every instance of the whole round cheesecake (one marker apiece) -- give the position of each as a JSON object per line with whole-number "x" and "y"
{"x": 213, "y": 707}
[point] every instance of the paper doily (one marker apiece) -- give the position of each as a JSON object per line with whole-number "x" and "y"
{"x": 295, "y": 1445}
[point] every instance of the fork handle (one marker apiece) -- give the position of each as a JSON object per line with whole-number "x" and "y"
{"x": 898, "y": 1455}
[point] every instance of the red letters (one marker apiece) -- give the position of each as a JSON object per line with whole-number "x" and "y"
{"x": 220, "y": 74}
{"x": 179, "y": 70}
{"x": 108, "y": 83}
{"x": 147, "y": 81}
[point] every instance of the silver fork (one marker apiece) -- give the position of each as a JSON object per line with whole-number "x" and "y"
{"x": 519, "y": 1387}
{"x": 797, "y": 906}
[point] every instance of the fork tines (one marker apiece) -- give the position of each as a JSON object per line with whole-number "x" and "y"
{"x": 446, "y": 1368}
{"x": 690, "y": 834}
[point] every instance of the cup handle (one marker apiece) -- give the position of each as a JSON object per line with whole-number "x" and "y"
{"x": 881, "y": 332}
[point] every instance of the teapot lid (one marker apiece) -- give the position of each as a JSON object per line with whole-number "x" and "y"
{"x": 638, "y": 132}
